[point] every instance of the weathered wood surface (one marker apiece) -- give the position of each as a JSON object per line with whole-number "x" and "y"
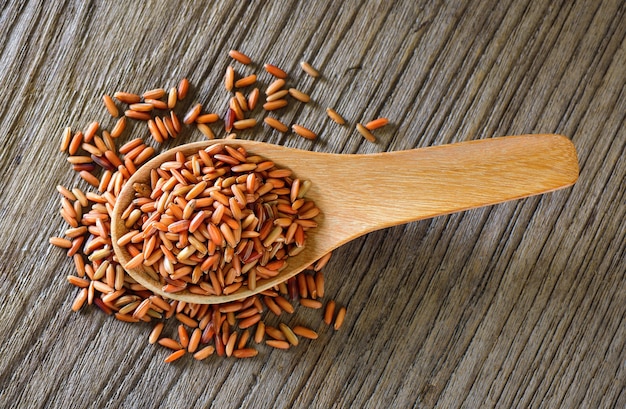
{"x": 517, "y": 305}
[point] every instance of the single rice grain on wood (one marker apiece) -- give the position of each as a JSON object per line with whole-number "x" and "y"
{"x": 306, "y": 67}
{"x": 334, "y": 115}
{"x": 245, "y": 81}
{"x": 239, "y": 56}
{"x": 183, "y": 88}
{"x": 275, "y": 71}
{"x": 303, "y": 132}
{"x": 276, "y": 124}
{"x": 376, "y": 123}
{"x": 339, "y": 319}
{"x": 110, "y": 106}
{"x": 365, "y": 133}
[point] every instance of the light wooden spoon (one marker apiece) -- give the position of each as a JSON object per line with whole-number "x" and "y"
{"x": 361, "y": 193}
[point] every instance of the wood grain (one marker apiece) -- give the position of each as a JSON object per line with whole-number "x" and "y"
{"x": 520, "y": 304}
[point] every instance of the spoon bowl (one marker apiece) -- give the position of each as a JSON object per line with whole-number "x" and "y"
{"x": 360, "y": 193}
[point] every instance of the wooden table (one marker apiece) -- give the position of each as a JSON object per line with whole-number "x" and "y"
{"x": 521, "y": 304}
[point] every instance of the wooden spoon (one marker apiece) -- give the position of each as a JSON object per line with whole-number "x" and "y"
{"x": 361, "y": 193}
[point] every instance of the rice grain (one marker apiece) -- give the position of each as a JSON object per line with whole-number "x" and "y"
{"x": 66, "y": 138}
{"x": 206, "y": 131}
{"x": 253, "y": 98}
{"x": 332, "y": 114}
{"x": 245, "y": 81}
{"x": 277, "y": 95}
{"x": 239, "y": 56}
{"x": 229, "y": 78}
{"x": 172, "y": 98}
{"x": 274, "y": 105}
{"x": 341, "y": 315}
{"x": 110, "y": 106}
{"x": 119, "y": 127}
{"x": 207, "y": 118}
{"x": 274, "y": 343}
{"x": 90, "y": 132}
{"x": 365, "y": 133}
{"x": 194, "y": 340}
{"x": 80, "y": 299}
{"x": 244, "y": 123}
{"x": 303, "y": 132}
{"x": 192, "y": 114}
{"x": 376, "y": 123}
{"x": 310, "y": 303}
{"x": 175, "y": 355}
{"x": 299, "y": 95}
{"x": 275, "y": 71}
{"x": 183, "y": 88}
{"x": 245, "y": 353}
{"x": 329, "y": 312}
{"x": 139, "y": 115}
{"x": 305, "y": 332}
{"x": 204, "y": 353}
{"x": 306, "y": 67}
{"x": 289, "y": 334}
{"x": 275, "y": 86}
{"x": 156, "y": 93}
{"x": 127, "y": 97}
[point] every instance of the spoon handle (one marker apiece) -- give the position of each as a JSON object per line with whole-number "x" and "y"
{"x": 391, "y": 188}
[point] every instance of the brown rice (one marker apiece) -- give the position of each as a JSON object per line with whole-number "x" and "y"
{"x": 239, "y": 56}
{"x": 306, "y": 67}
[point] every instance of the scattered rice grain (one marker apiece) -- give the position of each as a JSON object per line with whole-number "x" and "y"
{"x": 229, "y": 78}
{"x": 245, "y": 353}
{"x": 192, "y": 114}
{"x": 119, "y": 127}
{"x": 204, "y": 353}
{"x": 66, "y": 138}
{"x": 309, "y": 303}
{"x": 275, "y": 86}
{"x": 139, "y": 115}
{"x": 245, "y": 81}
{"x": 244, "y": 123}
{"x": 275, "y": 71}
{"x": 172, "y": 98}
{"x": 376, "y": 123}
{"x": 156, "y": 93}
{"x": 77, "y": 141}
{"x": 127, "y": 97}
{"x": 305, "y": 332}
{"x": 253, "y": 98}
{"x": 329, "y": 312}
{"x": 335, "y": 116}
{"x": 175, "y": 355}
{"x": 194, "y": 340}
{"x": 277, "y": 95}
{"x": 207, "y": 118}
{"x": 303, "y": 132}
{"x": 239, "y": 56}
{"x": 289, "y": 334}
{"x": 80, "y": 299}
{"x": 90, "y": 132}
{"x": 341, "y": 315}
{"x": 365, "y": 133}
{"x": 206, "y": 131}
{"x": 306, "y": 67}
{"x": 183, "y": 87}
{"x": 274, "y": 105}
{"x": 274, "y": 343}
{"x": 110, "y": 106}
{"x": 299, "y": 95}
{"x": 156, "y": 333}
